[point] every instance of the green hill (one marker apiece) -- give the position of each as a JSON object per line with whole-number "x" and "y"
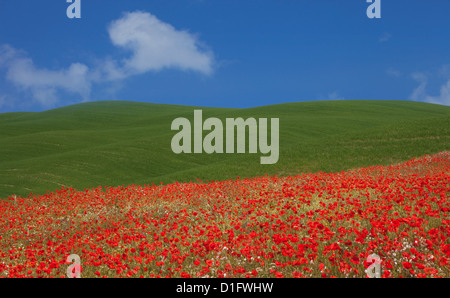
{"x": 122, "y": 143}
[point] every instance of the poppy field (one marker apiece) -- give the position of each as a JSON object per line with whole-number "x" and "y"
{"x": 309, "y": 225}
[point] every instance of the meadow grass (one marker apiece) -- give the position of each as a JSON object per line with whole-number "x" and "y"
{"x": 113, "y": 143}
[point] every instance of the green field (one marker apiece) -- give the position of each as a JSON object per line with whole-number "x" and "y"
{"x": 113, "y": 143}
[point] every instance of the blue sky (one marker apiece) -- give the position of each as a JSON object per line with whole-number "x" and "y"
{"x": 222, "y": 53}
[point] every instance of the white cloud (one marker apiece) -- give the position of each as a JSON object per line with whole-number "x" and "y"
{"x": 6, "y": 101}
{"x": 443, "y": 98}
{"x": 421, "y": 94}
{"x": 335, "y": 96}
{"x": 7, "y": 53}
{"x": 44, "y": 83}
{"x": 3, "y": 100}
{"x": 154, "y": 45}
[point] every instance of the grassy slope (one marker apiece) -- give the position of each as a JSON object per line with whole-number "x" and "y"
{"x": 122, "y": 143}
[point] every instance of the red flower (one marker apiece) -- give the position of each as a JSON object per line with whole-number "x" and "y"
{"x": 420, "y": 265}
{"x": 407, "y": 265}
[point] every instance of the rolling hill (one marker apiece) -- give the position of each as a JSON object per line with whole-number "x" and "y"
{"x": 113, "y": 143}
